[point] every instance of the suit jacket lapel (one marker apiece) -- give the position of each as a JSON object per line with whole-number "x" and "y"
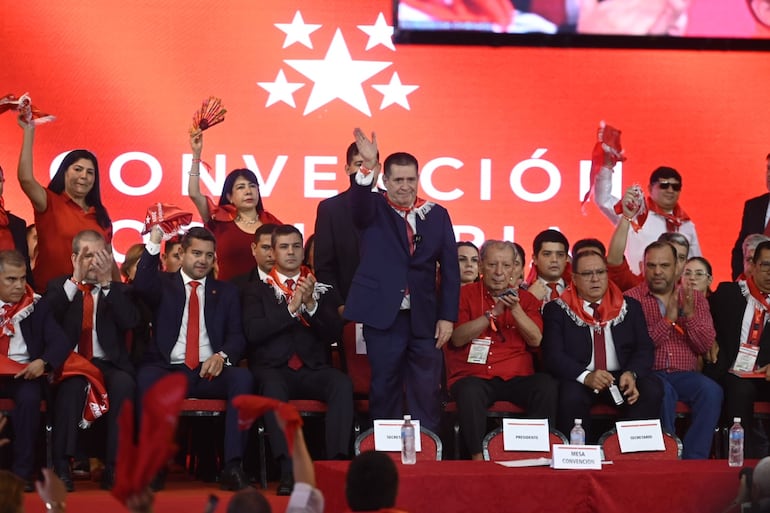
{"x": 211, "y": 297}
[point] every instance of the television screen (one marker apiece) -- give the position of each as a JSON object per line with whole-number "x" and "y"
{"x": 728, "y": 24}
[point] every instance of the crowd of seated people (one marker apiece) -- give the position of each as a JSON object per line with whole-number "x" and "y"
{"x": 553, "y": 340}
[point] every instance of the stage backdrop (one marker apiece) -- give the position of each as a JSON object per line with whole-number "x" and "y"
{"x": 502, "y": 134}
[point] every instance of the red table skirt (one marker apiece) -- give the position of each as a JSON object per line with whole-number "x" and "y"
{"x": 480, "y": 486}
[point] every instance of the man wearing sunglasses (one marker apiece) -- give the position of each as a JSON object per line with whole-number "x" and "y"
{"x": 661, "y": 213}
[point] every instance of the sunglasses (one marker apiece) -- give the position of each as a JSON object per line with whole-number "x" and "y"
{"x": 664, "y": 186}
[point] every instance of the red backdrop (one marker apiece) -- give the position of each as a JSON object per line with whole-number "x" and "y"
{"x": 125, "y": 79}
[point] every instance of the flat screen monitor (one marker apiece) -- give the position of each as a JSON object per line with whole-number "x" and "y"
{"x": 699, "y": 24}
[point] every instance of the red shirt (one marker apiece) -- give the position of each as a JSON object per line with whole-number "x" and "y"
{"x": 56, "y": 227}
{"x": 234, "y": 255}
{"x": 675, "y": 351}
{"x": 622, "y": 276}
{"x": 507, "y": 358}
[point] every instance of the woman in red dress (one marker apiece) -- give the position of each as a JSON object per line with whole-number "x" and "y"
{"x": 235, "y": 219}
{"x": 71, "y": 203}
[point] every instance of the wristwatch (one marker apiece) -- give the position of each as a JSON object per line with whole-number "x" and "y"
{"x": 224, "y": 357}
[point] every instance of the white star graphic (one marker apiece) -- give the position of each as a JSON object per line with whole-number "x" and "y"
{"x": 337, "y": 75}
{"x": 395, "y": 92}
{"x": 379, "y": 34}
{"x": 297, "y": 31}
{"x": 280, "y": 90}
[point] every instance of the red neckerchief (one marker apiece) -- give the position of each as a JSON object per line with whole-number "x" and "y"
{"x": 757, "y": 294}
{"x": 418, "y": 202}
{"x": 97, "y": 402}
{"x": 227, "y": 213}
{"x": 673, "y": 220}
{"x": 609, "y": 308}
{"x": 6, "y": 321}
{"x": 275, "y": 281}
{"x": 760, "y": 313}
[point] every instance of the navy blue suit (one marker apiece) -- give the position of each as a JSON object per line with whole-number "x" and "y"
{"x": 45, "y": 339}
{"x": 165, "y": 294}
{"x": 400, "y": 343}
{"x": 116, "y": 313}
{"x": 752, "y": 221}
{"x": 567, "y": 351}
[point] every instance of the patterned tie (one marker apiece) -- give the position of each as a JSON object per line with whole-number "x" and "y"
{"x": 192, "y": 356}
{"x": 295, "y": 362}
{"x": 86, "y": 343}
{"x": 600, "y": 351}
{"x": 554, "y": 291}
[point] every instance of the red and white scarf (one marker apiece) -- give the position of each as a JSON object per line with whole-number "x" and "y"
{"x": 612, "y": 309}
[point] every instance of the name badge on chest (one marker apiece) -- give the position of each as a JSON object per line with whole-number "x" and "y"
{"x": 479, "y": 350}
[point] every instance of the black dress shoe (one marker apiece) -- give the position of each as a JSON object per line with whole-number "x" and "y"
{"x": 233, "y": 479}
{"x": 108, "y": 478}
{"x": 63, "y": 471}
{"x": 285, "y": 485}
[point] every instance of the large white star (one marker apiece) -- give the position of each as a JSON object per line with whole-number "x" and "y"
{"x": 337, "y": 75}
{"x": 297, "y": 31}
{"x": 395, "y": 92}
{"x": 280, "y": 90}
{"x": 379, "y": 34}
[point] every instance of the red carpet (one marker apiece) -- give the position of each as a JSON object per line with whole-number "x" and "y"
{"x": 180, "y": 495}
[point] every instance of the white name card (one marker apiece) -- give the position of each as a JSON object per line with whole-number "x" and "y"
{"x": 640, "y": 435}
{"x": 387, "y": 435}
{"x": 586, "y": 457}
{"x": 526, "y": 435}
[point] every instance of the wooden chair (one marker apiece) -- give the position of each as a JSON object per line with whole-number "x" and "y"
{"x": 492, "y": 447}
{"x": 611, "y": 448}
{"x": 432, "y": 447}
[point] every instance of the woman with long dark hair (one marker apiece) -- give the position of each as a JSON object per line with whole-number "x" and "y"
{"x": 71, "y": 203}
{"x": 235, "y": 219}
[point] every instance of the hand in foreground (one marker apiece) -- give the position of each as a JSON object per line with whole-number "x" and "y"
{"x": 212, "y": 367}
{"x": 366, "y": 148}
{"x": 52, "y": 490}
{"x": 33, "y": 370}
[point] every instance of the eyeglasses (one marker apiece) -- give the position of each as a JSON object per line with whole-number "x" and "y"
{"x": 665, "y": 185}
{"x": 598, "y": 273}
{"x": 697, "y": 274}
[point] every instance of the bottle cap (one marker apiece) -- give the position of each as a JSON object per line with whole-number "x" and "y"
{"x": 407, "y": 417}
{"x": 736, "y": 419}
{"x": 578, "y": 421}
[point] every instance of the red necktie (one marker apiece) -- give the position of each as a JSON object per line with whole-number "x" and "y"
{"x": 192, "y": 356}
{"x": 554, "y": 291}
{"x": 5, "y": 340}
{"x": 600, "y": 351}
{"x": 86, "y": 343}
{"x": 295, "y": 362}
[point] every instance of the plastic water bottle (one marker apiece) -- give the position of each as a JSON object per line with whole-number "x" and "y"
{"x": 408, "y": 454}
{"x": 578, "y": 435}
{"x": 736, "y": 444}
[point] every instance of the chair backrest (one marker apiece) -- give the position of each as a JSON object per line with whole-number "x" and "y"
{"x": 359, "y": 369}
{"x": 492, "y": 447}
{"x": 432, "y": 448}
{"x": 611, "y": 448}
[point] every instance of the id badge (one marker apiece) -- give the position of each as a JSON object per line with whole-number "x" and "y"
{"x": 479, "y": 350}
{"x": 746, "y": 359}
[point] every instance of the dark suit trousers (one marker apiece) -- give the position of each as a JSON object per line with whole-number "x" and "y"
{"x": 576, "y": 399}
{"x": 536, "y": 393}
{"x": 69, "y": 403}
{"x": 328, "y": 385}
{"x": 740, "y": 395}
{"x": 25, "y": 419}
{"x": 232, "y": 382}
{"x": 401, "y": 361}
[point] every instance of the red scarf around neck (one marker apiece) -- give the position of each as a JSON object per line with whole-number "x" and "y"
{"x": 674, "y": 220}
{"x": 276, "y": 282}
{"x": 609, "y": 309}
{"x": 418, "y": 202}
{"x": 758, "y": 294}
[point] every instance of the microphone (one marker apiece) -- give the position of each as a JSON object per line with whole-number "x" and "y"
{"x": 416, "y": 239}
